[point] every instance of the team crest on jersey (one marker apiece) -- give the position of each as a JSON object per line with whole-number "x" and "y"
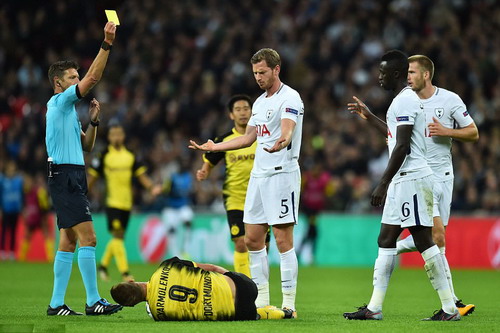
{"x": 269, "y": 113}
{"x": 439, "y": 112}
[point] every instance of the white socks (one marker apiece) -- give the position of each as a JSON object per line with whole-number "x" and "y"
{"x": 289, "y": 269}
{"x": 448, "y": 272}
{"x": 384, "y": 266}
{"x": 435, "y": 270}
{"x": 259, "y": 268}
{"x": 406, "y": 245}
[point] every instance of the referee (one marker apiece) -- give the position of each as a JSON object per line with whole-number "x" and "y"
{"x": 67, "y": 181}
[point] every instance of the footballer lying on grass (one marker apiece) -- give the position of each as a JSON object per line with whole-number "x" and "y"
{"x": 185, "y": 290}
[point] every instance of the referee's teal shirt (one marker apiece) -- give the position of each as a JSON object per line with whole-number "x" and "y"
{"x": 62, "y": 135}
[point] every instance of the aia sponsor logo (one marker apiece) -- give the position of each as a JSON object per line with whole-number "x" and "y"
{"x": 262, "y": 130}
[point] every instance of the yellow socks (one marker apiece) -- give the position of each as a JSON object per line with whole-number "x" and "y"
{"x": 108, "y": 253}
{"x": 49, "y": 250}
{"x": 242, "y": 263}
{"x": 120, "y": 255}
{"x": 25, "y": 246}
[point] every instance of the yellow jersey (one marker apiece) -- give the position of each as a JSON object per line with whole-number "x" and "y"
{"x": 239, "y": 164}
{"x": 118, "y": 166}
{"x": 178, "y": 290}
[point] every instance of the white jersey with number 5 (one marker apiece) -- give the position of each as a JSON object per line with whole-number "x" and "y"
{"x": 406, "y": 109}
{"x": 267, "y": 113}
{"x": 449, "y": 109}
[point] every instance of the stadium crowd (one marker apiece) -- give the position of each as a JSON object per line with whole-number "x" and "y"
{"x": 175, "y": 65}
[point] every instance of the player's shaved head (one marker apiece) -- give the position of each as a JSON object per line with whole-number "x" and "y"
{"x": 396, "y": 61}
{"x": 127, "y": 293}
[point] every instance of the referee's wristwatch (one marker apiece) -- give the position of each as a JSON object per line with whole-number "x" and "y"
{"x": 94, "y": 123}
{"x": 106, "y": 46}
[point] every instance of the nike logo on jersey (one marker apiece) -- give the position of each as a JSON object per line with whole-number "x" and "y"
{"x": 404, "y": 219}
{"x": 285, "y": 215}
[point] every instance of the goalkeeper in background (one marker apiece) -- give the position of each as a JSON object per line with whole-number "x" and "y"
{"x": 183, "y": 290}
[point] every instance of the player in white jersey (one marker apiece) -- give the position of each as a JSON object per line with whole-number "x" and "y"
{"x": 274, "y": 189}
{"x": 406, "y": 187}
{"x": 444, "y": 110}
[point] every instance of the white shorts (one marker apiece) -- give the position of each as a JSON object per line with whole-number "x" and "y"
{"x": 409, "y": 203}
{"x": 273, "y": 200}
{"x": 173, "y": 217}
{"x": 443, "y": 191}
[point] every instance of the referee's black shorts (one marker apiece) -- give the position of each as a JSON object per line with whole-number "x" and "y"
{"x": 246, "y": 293}
{"x": 68, "y": 190}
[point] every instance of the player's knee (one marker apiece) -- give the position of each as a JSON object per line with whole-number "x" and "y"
{"x": 253, "y": 244}
{"x": 439, "y": 239}
{"x": 284, "y": 245}
{"x": 239, "y": 244}
{"x": 67, "y": 245}
{"x": 118, "y": 233}
{"x": 88, "y": 240}
{"x": 386, "y": 242}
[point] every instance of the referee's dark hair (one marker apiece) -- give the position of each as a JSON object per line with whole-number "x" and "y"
{"x": 58, "y": 68}
{"x": 396, "y": 60}
{"x": 236, "y": 98}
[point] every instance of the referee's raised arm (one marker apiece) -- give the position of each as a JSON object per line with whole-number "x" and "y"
{"x": 95, "y": 71}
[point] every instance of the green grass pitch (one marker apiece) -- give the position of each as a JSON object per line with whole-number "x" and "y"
{"x": 323, "y": 295}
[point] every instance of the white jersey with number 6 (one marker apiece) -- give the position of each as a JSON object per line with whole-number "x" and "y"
{"x": 267, "y": 113}
{"x": 406, "y": 109}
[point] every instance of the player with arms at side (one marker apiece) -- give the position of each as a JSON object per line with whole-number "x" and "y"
{"x": 274, "y": 188}
{"x": 443, "y": 109}
{"x": 188, "y": 291}
{"x": 66, "y": 142}
{"x": 406, "y": 188}
{"x": 118, "y": 166}
{"x": 239, "y": 164}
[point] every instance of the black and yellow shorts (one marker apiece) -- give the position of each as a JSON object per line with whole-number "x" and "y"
{"x": 237, "y": 227}
{"x": 246, "y": 293}
{"x": 117, "y": 218}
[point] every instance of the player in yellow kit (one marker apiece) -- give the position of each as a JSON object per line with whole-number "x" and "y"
{"x": 118, "y": 166}
{"x": 185, "y": 290}
{"x": 239, "y": 164}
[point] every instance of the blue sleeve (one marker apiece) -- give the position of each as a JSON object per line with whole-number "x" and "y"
{"x": 68, "y": 97}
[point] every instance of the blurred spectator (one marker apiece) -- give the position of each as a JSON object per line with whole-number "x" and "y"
{"x": 316, "y": 187}
{"x": 178, "y": 214}
{"x": 11, "y": 204}
{"x": 36, "y": 207}
{"x": 169, "y": 84}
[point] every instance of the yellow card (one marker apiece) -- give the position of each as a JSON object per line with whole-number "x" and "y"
{"x": 112, "y": 16}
